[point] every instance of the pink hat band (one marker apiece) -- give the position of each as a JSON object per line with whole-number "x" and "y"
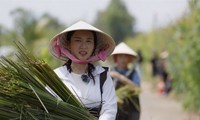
{"x": 58, "y": 49}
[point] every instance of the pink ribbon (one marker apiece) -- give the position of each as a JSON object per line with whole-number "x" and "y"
{"x": 60, "y": 50}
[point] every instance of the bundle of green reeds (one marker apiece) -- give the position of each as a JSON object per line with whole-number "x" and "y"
{"x": 23, "y": 93}
{"x": 127, "y": 92}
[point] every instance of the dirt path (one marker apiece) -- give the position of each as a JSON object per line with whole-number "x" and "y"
{"x": 159, "y": 107}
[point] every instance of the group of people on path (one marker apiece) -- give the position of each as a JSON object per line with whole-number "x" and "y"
{"x": 160, "y": 73}
{"x": 95, "y": 86}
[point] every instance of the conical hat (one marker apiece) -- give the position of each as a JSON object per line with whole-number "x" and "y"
{"x": 104, "y": 42}
{"x": 122, "y": 48}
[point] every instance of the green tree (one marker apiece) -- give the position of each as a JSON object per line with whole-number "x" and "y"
{"x": 6, "y": 36}
{"x": 35, "y": 33}
{"x": 24, "y": 25}
{"x": 116, "y": 21}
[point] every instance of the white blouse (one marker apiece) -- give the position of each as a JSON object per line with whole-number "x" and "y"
{"x": 89, "y": 93}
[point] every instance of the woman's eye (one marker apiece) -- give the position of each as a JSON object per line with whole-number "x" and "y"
{"x": 77, "y": 40}
{"x": 89, "y": 41}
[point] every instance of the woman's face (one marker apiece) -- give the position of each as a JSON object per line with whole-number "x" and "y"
{"x": 82, "y": 44}
{"x": 122, "y": 60}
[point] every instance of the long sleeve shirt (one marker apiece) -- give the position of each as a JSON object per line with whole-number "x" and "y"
{"x": 89, "y": 93}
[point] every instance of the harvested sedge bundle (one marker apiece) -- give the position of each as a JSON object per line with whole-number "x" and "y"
{"x": 23, "y": 93}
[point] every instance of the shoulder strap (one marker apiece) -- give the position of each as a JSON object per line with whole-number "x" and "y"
{"x": 103, "y": 77}
{"x": 131, "y": 74}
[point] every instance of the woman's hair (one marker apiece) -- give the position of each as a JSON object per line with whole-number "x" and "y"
{"x": 90, "y": 66}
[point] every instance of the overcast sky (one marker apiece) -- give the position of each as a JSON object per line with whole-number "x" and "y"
{"x": 148, "y": 13}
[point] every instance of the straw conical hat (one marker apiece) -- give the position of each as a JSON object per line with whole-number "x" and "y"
{"x": 122, "y": 48}
{"x": 104, "y": 42}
